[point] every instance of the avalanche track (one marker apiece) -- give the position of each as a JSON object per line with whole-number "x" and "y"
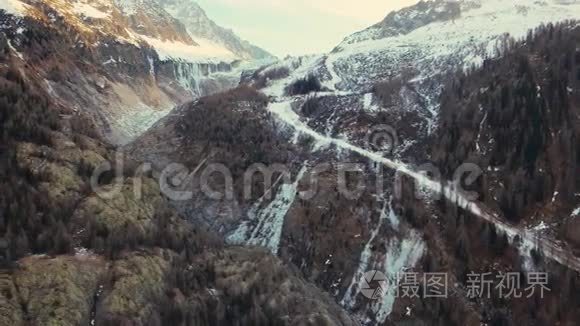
{"x": 529, "y": 239}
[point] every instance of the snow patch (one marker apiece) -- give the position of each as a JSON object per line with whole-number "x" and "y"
{"x": 13, "y": 7}
{"x": 479, "y": 132}
{"x": 401, "y": 254}
{"x": 368, "y": 104}
{"x": 89, "y": 11}
{"x": 268, "y": 220}
{"x": 151, "y": 66}
{"x": 204, "y": 52}
{"x": 13, "y": 49}
{"x": 81, "y": 252}
{"x": 139, "y": 119}
{"x": 349, "y": 299}
{"x": 540, "y": 227}
{"x": 555, "y": 196}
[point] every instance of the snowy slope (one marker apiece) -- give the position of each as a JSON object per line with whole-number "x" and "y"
{"x": 442, "y": 45}
{"x": 146, "y": 22}
{"x": 204, "y": 30}
{"x": 173, "y": 42}
{"x": 431, "y": 47}
{"x": 13, "y": 7}
{"x": 411, "y": 18}
{"x": 421, "y": 53}
{"x": 199, "y": 53}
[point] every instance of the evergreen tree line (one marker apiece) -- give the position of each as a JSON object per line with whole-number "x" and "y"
{"x": 517, "y": 115}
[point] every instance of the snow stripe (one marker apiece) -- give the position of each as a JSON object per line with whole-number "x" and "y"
{"x": 269, "y": 220}
{"x": 529, "y": 239}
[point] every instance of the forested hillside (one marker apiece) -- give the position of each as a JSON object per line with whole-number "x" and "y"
{"x": 519, "y": 117}
{"x": 72, "y": 257}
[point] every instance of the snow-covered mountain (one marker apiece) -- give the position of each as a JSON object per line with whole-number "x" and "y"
{"x": 135, "y": 61}
{"x": 203, "y": 29}
{"x": 200, "y": 36}
{"x": 435, "y": 36}
{"x": 412, "y": 51}
{"x": 410, "y": 18}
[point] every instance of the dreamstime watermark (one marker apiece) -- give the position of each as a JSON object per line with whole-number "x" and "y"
{"x": 382, "y": 139}
{"x": 217, "y": 181}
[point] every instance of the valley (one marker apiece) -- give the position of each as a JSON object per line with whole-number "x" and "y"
{"x": 255, "y": 190}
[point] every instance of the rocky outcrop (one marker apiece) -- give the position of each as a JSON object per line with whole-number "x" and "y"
{"x": 148, "y": 18}
{"x": 58, "y": 291}
{"x": 133, "y": 284}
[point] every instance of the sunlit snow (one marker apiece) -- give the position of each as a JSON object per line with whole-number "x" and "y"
{"x": 13, "y": 7}
{"x": 89, "y": 11}
{"x": 205, "y": 51}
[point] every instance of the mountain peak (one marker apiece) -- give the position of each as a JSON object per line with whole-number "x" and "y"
{"x": 427, "y": 12}
{"x": 200, "y": 26}
{"x": 410, "y": 18}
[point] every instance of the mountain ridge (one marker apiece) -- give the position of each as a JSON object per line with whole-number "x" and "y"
{"x": 200, "y": 25}
{"x": 134, "y": 61}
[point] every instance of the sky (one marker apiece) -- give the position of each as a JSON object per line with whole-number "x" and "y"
{"x": 296, "y": 27}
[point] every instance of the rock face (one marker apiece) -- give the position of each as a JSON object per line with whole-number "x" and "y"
{"x": 149, "y": 19}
